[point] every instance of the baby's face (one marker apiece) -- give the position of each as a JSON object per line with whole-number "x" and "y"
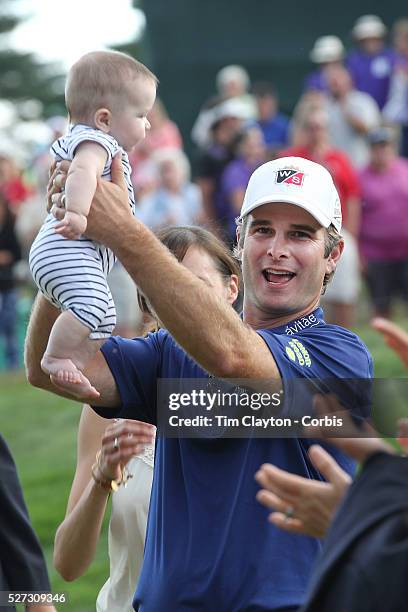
{"x": 129, "y": 124}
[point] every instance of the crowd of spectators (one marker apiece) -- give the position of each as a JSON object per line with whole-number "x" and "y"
{"x": 351, "y": 116}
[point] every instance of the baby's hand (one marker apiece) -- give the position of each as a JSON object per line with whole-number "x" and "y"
{"x": 72, "y": 226}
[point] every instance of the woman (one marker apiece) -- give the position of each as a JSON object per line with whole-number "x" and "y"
{"x": 176, "y": 200}
{"x": 77, "y": 536}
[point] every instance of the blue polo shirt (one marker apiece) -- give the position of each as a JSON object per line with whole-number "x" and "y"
{"x": 209, "y": 545}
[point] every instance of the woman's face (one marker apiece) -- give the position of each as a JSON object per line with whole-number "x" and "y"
{"x": 170, "y": 175}
{"x": 200, "y": 263}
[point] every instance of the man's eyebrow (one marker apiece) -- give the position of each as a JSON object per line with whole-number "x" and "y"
{"x": 305, "y": 228}
{"x": 297, "y": 226}
{"x": 258, "y": 222}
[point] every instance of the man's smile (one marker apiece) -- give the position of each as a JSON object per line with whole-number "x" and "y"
{"x": 277, "y": 276}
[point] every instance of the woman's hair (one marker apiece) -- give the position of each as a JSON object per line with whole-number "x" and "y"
{"x": 180, "y": 238}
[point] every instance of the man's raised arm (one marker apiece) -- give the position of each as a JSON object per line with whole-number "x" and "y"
{"x": 203, "y": 324}
{"x": 43, "y": 316}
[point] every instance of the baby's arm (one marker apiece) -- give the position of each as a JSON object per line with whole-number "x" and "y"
{"x": 86, "y": 167}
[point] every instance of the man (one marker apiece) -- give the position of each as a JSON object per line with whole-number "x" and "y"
{"x": 273, "y": 123}
{"x": 208, "y": 546}
{"x": 351, "y": 114}
{"x": 327, "y": 51}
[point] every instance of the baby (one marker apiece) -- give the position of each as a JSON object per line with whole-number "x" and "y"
{"x": 108, "y": 96}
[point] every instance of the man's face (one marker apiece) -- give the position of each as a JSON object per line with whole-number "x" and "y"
{"x": 283, "y": 262}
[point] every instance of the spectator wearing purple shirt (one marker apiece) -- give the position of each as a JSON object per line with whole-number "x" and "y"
{"x": 250, "y": 153}
{"x": 384, "y": 223}
{"x": 371, "y": 63}
{"x": 327, "y": 51}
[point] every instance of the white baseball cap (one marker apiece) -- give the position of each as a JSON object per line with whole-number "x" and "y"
{"x": 327, "y": 49}
{"x": 297, "y": 181}
{"x": 369, "y": 26}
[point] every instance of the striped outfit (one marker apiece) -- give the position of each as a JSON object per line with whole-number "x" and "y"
{"x": 72, "y": 274}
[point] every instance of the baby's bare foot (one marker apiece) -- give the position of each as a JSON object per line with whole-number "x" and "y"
{"x": 78, "y": 386}
{"x": 65, "y": 375}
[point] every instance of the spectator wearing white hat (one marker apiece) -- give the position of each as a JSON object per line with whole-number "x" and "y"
{"x": 371, "y": 62}
{"x": 233, "y": 82}
{"x": 219, "y": 127}
{"x": 326, "y": 51}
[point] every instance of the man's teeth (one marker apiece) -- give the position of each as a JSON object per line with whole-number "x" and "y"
{"x": 270, "y": 275}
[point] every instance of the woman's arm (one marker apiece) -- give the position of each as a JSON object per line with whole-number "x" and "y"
{"x": 77, "y": 536}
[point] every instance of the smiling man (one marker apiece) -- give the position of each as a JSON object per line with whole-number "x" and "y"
{"x": 209, "y": 546}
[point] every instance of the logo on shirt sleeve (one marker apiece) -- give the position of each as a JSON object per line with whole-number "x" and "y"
{"x": 298, "y": 353}
{"x": 290, "y": 176}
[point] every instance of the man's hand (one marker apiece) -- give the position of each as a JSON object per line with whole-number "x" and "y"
{"x": 307, "y": 506}
{"x": 394, "y": 336}
{"x": 56, "y": 184}
{"x": 303, "y": 505}
{"x": 110, "y": 213}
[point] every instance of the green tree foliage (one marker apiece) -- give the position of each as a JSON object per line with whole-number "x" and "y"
{"x": 22, "y": 75}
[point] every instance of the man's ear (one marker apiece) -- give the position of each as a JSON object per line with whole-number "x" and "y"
{"x": 103, "y": 119}
{"x": 334, "y": 257}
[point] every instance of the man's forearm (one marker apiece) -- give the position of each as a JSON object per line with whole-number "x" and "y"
{"x": 202, "y": 323}
{"x": 43, "y": 316}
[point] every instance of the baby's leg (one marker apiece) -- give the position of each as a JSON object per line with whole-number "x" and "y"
{"x": 69, "y": 349}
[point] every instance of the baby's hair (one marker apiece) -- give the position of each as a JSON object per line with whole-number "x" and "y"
{"x": 100, "y": 80}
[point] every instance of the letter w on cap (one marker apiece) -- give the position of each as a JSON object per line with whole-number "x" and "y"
{"x": 288, "y": 175}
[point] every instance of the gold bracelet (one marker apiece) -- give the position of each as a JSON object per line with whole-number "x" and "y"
{"x": 106, "y": 482}
{"x": 102, "y": 484}
{"x": 125, "y": 475}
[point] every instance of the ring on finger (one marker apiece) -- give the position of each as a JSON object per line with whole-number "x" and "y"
{"x": 289, "y": 513}
{"x": 116, "y": 444}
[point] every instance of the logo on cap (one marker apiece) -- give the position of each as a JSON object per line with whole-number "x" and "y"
{"x": 289, "y": 175}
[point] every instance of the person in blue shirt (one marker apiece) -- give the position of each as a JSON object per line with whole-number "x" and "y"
{"x": 208, "y": 545}
{"x": 274, "y": 124}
